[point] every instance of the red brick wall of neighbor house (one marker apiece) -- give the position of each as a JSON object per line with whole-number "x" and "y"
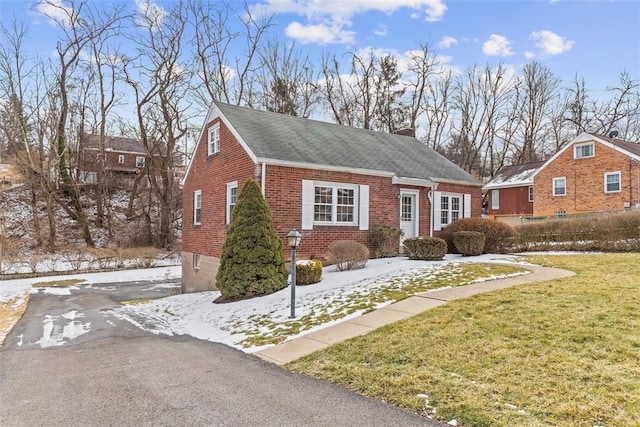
{"x": 90, "y": 160}
{"x": 512, "y": 201}
{"x": 210, "y": 174}
{"x": 476, "y": 199}
{"x": 585, "y": 183}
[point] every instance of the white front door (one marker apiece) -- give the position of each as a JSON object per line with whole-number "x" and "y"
{"x": 408, "y": 215}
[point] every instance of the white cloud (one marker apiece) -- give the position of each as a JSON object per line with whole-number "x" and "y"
{"x": 497, "y": 45}
{"x": 380, "y": 30}
{"x": 550, "y": 43}
{"x": 446, "y": 42}
{"x": 152, "y": 14}
{"x": 56, "y": 11}
{"x": 529, "y": 55}
{"x": 319, "y": 33}
{"x": 328, "y": 21}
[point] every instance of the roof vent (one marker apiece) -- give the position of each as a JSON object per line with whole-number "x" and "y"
{"x": 613, "y": 134}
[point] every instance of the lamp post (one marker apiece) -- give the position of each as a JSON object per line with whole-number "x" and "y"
{"x": 294, "y": 240}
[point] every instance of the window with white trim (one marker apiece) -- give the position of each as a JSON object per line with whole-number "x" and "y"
{"x": 612, "y": 182}
{"x": 196, "y": 261}
{"x": 335, "y": 204}
{"x": 495, "y": 199}
{"x": 582, "y": 151}
{"x": 213, "y": 139}
{"x": 332, "y": 203}
{"x": 139, "y": 161}
{"x": 120, "y": 158}
{"x": 232, "y": 198}
{"x": 531, "y": 193}
{"x": 449, "y": 208}
{"x": 197, "y": 207}
{"x": 5, "y": 168}
{"x": 560, "y": 186}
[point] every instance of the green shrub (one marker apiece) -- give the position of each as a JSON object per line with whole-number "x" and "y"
{"x": 385, "y": 240}
{"x": 499, "y": 237}
{"x": 425, "y": 248}
{"x": 348, "y": 254}
{"x": 308, "y": 272}
{"x": 469, "y": 243}
{"x": 252, "y": 261}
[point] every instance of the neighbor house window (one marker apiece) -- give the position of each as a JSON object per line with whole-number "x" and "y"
{"x": 335, "y": 204}
{"x": 495, "y": 199}
{"x": 197, "y": 207}
{"x": 612, "y": 182}
{"x": 196, "y": 261}
{"x": 121, "y": 158}
{"x": 5, "y": 168}
{"x": 449, "y": 209}
{"x": 531, "y": 193}
{"x": 213, "y": 138}
{"x": 583, "y": 150}
{"x": 559, "y": 186}
{"x": 139, "y": 161}
{"x": 232, "y": 198}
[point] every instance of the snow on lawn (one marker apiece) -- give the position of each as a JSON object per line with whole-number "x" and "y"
{"x": 231, "y": 323}
{"x": 18, "y": 288}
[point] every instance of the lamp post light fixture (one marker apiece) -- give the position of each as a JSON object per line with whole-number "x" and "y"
{"x": 293, "y": 238}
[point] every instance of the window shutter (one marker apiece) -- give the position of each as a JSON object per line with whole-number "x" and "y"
{"x": 363, "y": 213}
{"x": 437, "y": 211}
{"x": 467, "y": 206}
{"x": 307, "y": 204}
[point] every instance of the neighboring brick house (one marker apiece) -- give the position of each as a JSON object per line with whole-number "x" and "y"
{"x": 591, "y": 173}
{"x": 510, "y": 193}
{"x": 328, "y": 181}
{"x": 124, "y": 157}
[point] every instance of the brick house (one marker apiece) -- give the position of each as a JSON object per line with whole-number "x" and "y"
{"x": 328, "y": 181}
{"x": 124, "y": 157}
{"x": 591, "y": 173}
{"x": 510, "y": 192}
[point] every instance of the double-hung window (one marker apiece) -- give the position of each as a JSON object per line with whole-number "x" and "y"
{"x": 531, "y": 193}
{"x": 560, "y": 186}
{"x": 197, "y": 207}
{"x": 121, "y": 158}
{"x": 139, "y": 161}
{"x": 612, "y": 182}
{"x": 450, "y": 209}
{"x": 213, "y": 139}
{"x": 582, "y": 151}
{"x": 232, "y": 198}
{"x": 335, "y": 204}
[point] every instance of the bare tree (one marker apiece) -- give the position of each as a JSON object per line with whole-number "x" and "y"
{"x": 222, "y": 77}
{"x": 285, "y": 82}
{"x": 160, "y": 84}
{"x": 336, "y": 91}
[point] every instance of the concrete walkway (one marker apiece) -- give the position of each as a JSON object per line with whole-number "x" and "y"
{"x": 307, "y": 344}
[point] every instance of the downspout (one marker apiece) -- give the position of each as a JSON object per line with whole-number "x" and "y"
{"x": 263, "y": 178}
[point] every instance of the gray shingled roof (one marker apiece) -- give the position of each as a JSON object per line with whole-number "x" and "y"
{"x": 629, "y": 146}
{"x": 286, "y": 138}
{"x": 116, "y": 143}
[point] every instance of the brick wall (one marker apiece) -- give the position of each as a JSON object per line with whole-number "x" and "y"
{"x": 585, "y": 183}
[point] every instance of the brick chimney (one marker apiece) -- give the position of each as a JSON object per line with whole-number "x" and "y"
{"x": 406, "y": 132}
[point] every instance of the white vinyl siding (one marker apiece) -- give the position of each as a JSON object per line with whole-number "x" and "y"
{"x": 560, "y": 186}
{"x": 232, "y": 198}
{"x": 612, "y": 182}
{"x": 330, "y": 203}
{"x": 197, "y": 207}
{"x": 213, "y": 139}
{"x": 495, "y": 199}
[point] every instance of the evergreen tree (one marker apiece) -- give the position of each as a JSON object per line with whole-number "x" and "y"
{"x": 252, "y": 261}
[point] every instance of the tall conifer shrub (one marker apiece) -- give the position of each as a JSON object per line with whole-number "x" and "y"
{"x": 252, "y": 261}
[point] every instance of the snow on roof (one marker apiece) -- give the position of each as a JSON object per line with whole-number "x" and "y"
{"x": 514, "y": 176}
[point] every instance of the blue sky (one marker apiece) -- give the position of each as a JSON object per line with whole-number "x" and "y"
{"x": 594, "y": 38}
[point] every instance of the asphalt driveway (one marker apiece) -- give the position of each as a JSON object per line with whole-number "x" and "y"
{"x": 70, "y": 362}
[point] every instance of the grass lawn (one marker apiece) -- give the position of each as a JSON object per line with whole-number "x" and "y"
{"x": 561, "y": 353}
